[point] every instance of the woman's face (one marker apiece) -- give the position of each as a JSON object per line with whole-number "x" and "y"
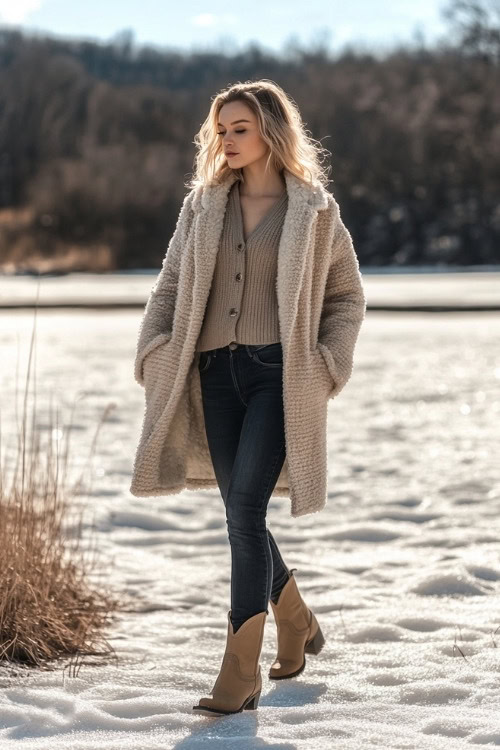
{"x": 240, "y": 138}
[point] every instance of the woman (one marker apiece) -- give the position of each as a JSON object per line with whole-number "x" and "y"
{"x": 248, "y": 332}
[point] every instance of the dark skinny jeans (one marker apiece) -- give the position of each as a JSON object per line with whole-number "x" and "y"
{"x": 242, "y": 398}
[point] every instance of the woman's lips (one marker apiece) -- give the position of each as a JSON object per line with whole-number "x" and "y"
{"x": 230, "y": 153}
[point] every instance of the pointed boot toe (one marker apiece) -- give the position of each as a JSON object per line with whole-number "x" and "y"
{"x": 239, "y": 683}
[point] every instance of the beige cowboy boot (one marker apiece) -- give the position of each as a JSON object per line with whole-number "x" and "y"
{"x": 298, "y": 632}
{"x": 239, "y": 682}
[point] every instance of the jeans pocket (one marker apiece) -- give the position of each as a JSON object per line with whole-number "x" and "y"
{"x": 269, "y": 355}
{"x": 204, "y": 361}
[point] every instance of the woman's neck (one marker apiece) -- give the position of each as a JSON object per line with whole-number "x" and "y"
{"x": 262, "y": 185}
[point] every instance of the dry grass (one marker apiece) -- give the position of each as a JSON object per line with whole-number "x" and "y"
{"x": 48, "y": 609}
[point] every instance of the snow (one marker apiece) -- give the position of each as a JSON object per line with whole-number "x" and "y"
{"x": 402, "y": 567}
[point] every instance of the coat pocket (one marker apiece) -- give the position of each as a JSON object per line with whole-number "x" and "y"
{"x": 162, "y": 338}
{"x": 325, "y": 368}
{"x": 153, "y": 363}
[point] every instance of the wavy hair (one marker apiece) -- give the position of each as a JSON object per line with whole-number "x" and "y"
{"x": 280, "y": 125}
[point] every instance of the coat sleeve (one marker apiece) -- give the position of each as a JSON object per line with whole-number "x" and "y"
{"x": 344, "y": 307}
{"x": 157, "y": 320}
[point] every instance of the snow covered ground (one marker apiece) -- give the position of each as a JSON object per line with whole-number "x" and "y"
{"x": 402, "y": 568}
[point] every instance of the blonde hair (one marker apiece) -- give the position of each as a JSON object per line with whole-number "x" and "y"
{"x": 280, "y": 125}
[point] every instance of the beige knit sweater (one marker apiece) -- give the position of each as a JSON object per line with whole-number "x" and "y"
{"x": 242, "y": 306}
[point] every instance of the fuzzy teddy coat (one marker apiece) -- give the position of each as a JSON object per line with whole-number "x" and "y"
{"x": 321, "y": 305}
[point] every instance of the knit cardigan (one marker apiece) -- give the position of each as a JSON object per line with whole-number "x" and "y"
{"x": 321, "y": 305}
{"x": 242, "y": 306}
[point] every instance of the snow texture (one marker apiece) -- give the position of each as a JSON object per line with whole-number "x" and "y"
{"x": 402, "y": 567}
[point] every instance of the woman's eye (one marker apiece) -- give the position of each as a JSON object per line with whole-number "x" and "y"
{"x": 236, "y": 131}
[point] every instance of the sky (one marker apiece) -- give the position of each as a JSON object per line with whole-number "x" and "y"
{"x": 200, "y": 25}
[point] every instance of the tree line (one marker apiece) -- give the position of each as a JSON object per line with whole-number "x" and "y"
{"x": 96, "y": 142}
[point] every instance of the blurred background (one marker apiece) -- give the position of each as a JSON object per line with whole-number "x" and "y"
{"x": 100, "y": 105}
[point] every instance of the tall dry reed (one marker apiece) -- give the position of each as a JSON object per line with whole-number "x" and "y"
{"x": 48, "y": 608}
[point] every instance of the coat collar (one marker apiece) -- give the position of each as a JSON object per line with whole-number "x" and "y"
{"x": 213, "y": 197}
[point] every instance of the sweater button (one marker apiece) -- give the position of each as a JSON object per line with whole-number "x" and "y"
{"x": 238, "y": 277}
{"x": 240, "y": 246}
{"x": 233, "y": 311}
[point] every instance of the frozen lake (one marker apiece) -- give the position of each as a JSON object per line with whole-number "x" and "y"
{"x": 402, "y": 567}
{"x": 467, "y": 289}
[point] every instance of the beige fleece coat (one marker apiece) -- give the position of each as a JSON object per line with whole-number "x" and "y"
{"x": 321, "y": 305}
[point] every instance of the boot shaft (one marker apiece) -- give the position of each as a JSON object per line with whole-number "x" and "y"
{"x": 246, "y": 643}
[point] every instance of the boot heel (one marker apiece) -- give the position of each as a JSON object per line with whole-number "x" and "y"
{"x": 315, "y": 645}
{"x": 254, "y": 702}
